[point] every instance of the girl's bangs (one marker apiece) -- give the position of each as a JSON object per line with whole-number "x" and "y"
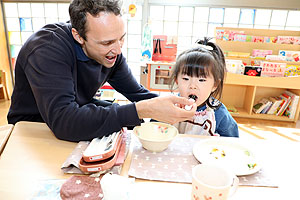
{"x": 197, "y": 67}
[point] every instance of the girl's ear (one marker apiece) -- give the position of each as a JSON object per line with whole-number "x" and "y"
{"x": 214, "y": 89}
{"x": 215, "y": 86}
{"x": 77, "y": 37}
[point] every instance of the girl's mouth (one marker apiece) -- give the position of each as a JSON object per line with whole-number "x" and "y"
{"x": 192, "y": 96}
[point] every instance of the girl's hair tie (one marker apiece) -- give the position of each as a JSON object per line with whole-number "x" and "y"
{"x": 204, "y": 43}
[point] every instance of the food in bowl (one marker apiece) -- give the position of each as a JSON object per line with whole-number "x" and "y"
{"x": 155, "y": 136}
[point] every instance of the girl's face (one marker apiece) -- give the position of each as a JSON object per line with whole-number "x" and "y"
{"x": 199, "y": 86}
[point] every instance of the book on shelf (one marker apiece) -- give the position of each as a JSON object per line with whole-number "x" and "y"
{"x": 292, "y": 107}
{"x": 262, "y": 104}
{"x": 232, "y": 109}
{"x": 267, "y": 108}
{"x": 286, "y": 101}
{"x": 276, "y": 102}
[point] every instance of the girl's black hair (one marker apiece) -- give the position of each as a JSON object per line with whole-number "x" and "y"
{"x": 207, "y": 58}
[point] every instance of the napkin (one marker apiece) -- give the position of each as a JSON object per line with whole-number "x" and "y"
{"x": 116, "y": 187}
{"x": 46, "y": 189}
{"x": 71, "y": 164}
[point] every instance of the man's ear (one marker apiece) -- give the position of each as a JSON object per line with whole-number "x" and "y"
{"x": 76, "y": 36}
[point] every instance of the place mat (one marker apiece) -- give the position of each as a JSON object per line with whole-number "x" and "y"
{"x": 71, "y": 164}
{"x": 259, "y": 179}
{"x": 47, "y": 189}
{"x": 176, "y": 162}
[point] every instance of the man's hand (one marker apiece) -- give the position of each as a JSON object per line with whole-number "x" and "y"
{"x": 169, "y": 109}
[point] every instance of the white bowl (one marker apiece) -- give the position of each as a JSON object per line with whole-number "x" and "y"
{"x": 155, "y": 136}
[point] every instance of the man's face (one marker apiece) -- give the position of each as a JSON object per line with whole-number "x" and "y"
{"x": 104, "y": 38}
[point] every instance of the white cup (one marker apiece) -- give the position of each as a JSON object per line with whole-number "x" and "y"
{"x": 212, "y": 182}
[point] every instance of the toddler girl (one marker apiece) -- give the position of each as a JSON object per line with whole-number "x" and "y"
{"x": 199, "y": 75}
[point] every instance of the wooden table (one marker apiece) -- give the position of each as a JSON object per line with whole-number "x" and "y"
{"x": 33, "y": 154}
{"x": 5, "y": 132}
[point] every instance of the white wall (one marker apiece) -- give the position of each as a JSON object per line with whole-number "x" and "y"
{"x": 278, "y": 4}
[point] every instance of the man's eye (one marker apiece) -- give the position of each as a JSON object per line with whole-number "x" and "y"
{"x": 107, "y": 43}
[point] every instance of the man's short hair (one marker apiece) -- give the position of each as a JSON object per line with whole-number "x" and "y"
{"x": 79, "y": 8}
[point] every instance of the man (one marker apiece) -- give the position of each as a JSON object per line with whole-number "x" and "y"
{"x": 60, "y": 68}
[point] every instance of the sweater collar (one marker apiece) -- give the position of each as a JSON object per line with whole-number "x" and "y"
{"x": 78, "y": 49}
{"x": 80, "y": 53}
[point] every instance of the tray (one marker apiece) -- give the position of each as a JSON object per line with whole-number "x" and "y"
{"x": 102, "y": 148}
{"x": 103, "y": 164}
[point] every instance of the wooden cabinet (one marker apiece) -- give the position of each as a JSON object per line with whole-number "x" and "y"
{"x": 242, "y": 91}
{"x": 159, "y": 76}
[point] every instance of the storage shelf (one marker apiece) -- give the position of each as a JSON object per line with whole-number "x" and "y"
{"x": 262, "y": 59}
{"x": 247, "y": 47}
{"x": 159, "y": 76}
{"x": 241, "y": 113}
{"x": 244, "y": 114}
{"x": 243, "y": 91}
{"x": 272, "y": 117}
{"x": 276, "y": 82}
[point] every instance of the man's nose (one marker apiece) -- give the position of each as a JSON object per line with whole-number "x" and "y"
{"x": 117, "y": 48}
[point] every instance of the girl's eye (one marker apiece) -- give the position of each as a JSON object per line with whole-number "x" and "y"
{"x": 202, "y": 80}
{"x": 186, "y": 79}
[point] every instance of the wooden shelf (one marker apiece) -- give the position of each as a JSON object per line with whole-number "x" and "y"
{"x": 159, "y": 76}
{"x": 261, "y": 59}
{"x": 276, "y": 82}
{"x": 247, "y": 47}
{"x": 243, "y": 91}
{"x": 241, "y": 112}
{"x": 244, "y": 114}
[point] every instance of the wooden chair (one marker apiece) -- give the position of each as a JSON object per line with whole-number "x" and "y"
{"x": 3, "y": 85}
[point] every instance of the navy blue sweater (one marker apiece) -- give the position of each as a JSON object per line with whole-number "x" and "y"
{"x": 55, "y": 83}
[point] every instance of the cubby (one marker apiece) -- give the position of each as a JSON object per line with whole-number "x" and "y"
{"x": 159, "y": 76}
{"x": 243, "y": 91}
